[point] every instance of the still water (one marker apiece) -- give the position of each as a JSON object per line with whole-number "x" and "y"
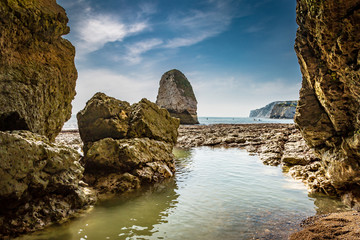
{"x": 216, "y": 194}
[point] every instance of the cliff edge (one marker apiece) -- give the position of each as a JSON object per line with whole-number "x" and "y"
{"x": 278, "y": 109}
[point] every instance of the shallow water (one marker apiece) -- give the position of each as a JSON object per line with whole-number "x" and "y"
{"x": 216, "y": 194}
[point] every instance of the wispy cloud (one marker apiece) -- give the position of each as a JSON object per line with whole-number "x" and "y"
{"x": 134, "y": 51}
{"x": 95, "y": 32}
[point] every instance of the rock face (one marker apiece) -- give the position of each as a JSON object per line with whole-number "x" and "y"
{"x": 135, "y": 147}
{"x": 37, "y": 71}
{"x": 39, "y": 184}
{"x": 177, "y": 96}
{"x": 279, "y": 109}
{"x": 328, "y": 115}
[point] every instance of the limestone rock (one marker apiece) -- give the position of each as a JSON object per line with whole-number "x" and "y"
{"x": 39, "y": 182}
{"x": 103, "y": 117}
{"x": 278, "y": 109}
{"x": 148, "y": 120}
{"x": 123, "y": 155}
{"x": 328, "y": 115}
{"x": 177, "y": 96}
{"x": 37, "y": 71}
{"x": 126, "y": 146}
{"x": 107, "y": 117}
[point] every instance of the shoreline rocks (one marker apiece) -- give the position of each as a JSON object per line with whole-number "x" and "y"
{"x": 328, "y": 112}
{"x": 134, "y": 148}
{"x": 177, "y": 96}
{"x": 40, "y": 184}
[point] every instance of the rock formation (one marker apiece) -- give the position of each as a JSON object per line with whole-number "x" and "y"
{"x": 126, "y": 146}
{"x": 328, "y": 114}
{"x": 279, "y": 109}
{"x": 37, "y": 71}
{"x": 39, "y": 183}
{"x": 177, "y": 96}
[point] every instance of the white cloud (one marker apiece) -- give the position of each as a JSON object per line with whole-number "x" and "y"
{"x": 134, "y": 51}
{"x": 93, "y": 33}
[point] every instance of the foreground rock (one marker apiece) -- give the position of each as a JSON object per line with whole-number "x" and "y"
{"x": 327, "y": 46}
{"x": 39, "y": 183}
{"x": 177, "y": 96}
{"x": 37, "y": 71}
{"x": 343, "y": 225}
{"x": 134, "y": 148}
{"x": 279, "y": 109}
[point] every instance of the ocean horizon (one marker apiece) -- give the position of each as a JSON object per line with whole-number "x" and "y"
{"x": 71, "y": 124}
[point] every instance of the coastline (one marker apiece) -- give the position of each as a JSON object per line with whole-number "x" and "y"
{"x": 275, "y": 144}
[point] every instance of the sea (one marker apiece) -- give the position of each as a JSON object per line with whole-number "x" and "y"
{"x": 72, "y": 123}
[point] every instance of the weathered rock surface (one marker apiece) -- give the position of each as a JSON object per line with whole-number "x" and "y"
{"x": 135, "y": 148}
{"x": 328, "y": 115}
{"x": 37, "y": 71}
{"x": 343, "y": 225}
{"x": 39, "y": 183}
{"x": 279, "y": 109}
{"x": 107, "y": 117}
{"x": 177, "y": 96}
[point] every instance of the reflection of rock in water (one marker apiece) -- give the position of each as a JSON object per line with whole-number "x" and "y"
{"x": 131, "y": 214}
{"x": 325, "y": 204}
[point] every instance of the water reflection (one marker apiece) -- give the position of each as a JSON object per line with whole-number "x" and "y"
{"x": 216, "y": 194}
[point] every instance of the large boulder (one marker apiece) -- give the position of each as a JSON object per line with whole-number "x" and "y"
{"x": 104, "y": 117}
{"x": 177, "y": 96}
{"x": 126, "y": 146}
{"x": 37, "y": 71}
{"x": 39, "y": 182}
{"x": 328, "y": 113}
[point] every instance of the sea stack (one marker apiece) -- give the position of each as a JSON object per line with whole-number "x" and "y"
{"x": 328, "y": 113}
{"x": 177, "y": 96}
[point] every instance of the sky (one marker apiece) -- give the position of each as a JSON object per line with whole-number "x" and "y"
{"x": 237, "y": 54}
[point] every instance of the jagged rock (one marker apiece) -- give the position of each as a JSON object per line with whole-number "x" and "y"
{"x": 37, "y": 71}
{"x": 148, "y": 120}
{"x": 328, "y": 114}
{"x": 110, "y": 155}
{"x": 107, "y": 117}
{"x": 177, "y": 96}
{"x": 279, "y": 109}
{"x": 104, "y": 117}
{"x": 135, "y": 148}
{"x": 39, "y": 183}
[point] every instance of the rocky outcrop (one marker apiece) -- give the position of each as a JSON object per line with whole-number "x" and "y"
{"x": 39, "y": 183}
{"x": 37, "y": 71}
{"x": 134, "y": 148}
{"x": 177, "y": 96}
{"x": 279, "y": 109}
{"x": 328, "y": 114}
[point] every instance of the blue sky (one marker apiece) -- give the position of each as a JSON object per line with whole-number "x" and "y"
{"x": 237, "y": 54}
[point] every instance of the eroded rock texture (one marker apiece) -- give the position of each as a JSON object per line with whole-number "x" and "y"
{"x": 37, "y": 71}
{"x": 177, "y": 96}
{"x": 126, "y": 146}
{"x": 39, "y": 183}
{"x": 328, "y": 113}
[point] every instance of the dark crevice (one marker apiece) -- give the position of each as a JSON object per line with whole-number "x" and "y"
{"x": 12, "y": 121}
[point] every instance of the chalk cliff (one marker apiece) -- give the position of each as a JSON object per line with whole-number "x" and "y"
{"x": 278, "y": 109}
{"x": 177, "y": 96}
{"x": 328, "y": 113}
